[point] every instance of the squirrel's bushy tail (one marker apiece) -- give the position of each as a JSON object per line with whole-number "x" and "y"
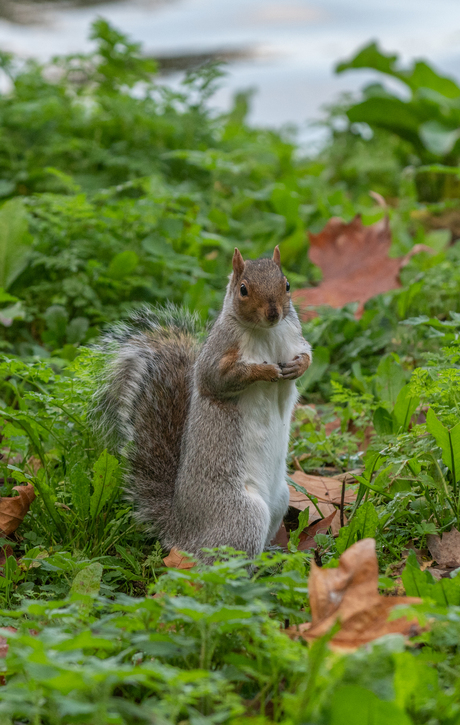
{"x": 143, "y": 402}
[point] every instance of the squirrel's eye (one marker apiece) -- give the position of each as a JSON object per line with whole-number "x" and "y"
{"x": 244, "y": 290}
{"x": 288, "y": 286}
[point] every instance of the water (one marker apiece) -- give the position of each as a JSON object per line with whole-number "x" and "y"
{"x": 286, "y": 49}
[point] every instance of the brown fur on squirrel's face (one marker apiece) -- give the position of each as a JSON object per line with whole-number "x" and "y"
{"x": 260, "y": 290}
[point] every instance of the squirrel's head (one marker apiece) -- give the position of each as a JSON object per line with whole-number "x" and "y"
{"x": 260, "y": 291}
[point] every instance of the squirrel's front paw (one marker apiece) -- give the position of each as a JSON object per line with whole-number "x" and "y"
{"x": 270, "y": 373}
{"x": 295, "y": 368}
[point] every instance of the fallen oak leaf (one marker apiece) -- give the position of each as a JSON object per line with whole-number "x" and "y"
{"x": 13, "y": 509}
{"x": 324, "y": 488}
{"x": 307, "y": 540}
{"x": 349, "y": 595}
{"x": 300, "y": 501}
{"x": 5, "y": 552}
{"x": 446, "y": 549}
{"x": 178, "y": 560}
{"x": 355, "y": 264}
{"x": 281, "y": 538}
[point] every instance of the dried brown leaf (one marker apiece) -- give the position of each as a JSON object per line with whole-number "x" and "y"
{"x": 5, "y": 552}
{"x": 177, "y": 560}
{"x": 446, "y": 549}
{"x": 281, "y": 538}
{"x": 307, "y": 540}
{"x": 324, "y": 488}
{"x": 355, "y": 264}
{"x": 349, "y": 594}
{"x": 13, "y": 510}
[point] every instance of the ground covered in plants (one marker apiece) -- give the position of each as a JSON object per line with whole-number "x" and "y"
{"x": 118, "y": 192}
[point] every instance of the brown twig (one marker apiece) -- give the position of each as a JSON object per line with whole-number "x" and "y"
{"x": 342, "y": 505}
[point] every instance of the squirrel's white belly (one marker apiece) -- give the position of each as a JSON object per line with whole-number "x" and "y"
{"x": 266, "y": 410}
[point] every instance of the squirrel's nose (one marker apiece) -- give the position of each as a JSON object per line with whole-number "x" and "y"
{"x": 273, "y": 314}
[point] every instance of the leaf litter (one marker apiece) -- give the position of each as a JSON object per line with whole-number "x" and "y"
{"x": 355, "y": 264}
{"x": 445, "y": 549}
{"x": 349, "y": 595}
{"x": 13, "y": 509}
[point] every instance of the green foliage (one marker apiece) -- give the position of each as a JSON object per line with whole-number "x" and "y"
{"x": 428, "y": 120}
{"x": 119, "y": 191}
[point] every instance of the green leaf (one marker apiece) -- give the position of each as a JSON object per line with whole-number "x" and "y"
{"x": 14, "y": 242}
{"x": 104, "y": 482}
{"x": 383, "y": 421}
{"x": 416, "y": 583}
{"x": 437, "y": 138}
{"x": 413, "y": 680}
{"x": 80, "y": 490}
{"x": 317, "y": 369}
{"x": 11, "y": 313}
{"x": 389, "y": 113}
{"x": 88, "y": 581}
{"x": 56, "y": 318}
{"x": 362, "y": 526}
{"x": 354, "y": 704}
{"x": 423, "y": 76}
{"x": 294, "y": 536}
{"x": 77, "y": 329}
{"x": 123, "y": 264}
{"x": 405, "y": 407}
{"x": 389, "y": 380}
{"x": 448, "y": 441}
{"x": 370, "y": 57}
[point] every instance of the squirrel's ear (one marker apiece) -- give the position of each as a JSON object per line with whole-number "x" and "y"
{"x": 238, "y": 262}
{"x": 277, "y": 256}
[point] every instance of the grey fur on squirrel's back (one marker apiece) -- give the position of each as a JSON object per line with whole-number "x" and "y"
{"x": 144, "y": 400}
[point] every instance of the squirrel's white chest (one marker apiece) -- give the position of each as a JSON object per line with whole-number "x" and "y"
{"x": 266, "y": 410}
{"x": 273, "y": 345}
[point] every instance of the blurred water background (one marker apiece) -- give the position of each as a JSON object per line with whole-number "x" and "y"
{"x": 285, "y": 50}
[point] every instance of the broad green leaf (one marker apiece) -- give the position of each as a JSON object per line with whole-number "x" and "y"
{"x": 437, "y": 239}
{"x": 14, "y": 241}
{"x": 294, "y": 536}
{"x": 416, "y": 583}
{"x": 423, "y": 76}
{"x": 229, "y": 614}
{"x": 413, "y": 680}
{"x": 86, "y": 639}
{"x": 448, "y": 441}
{"x": 123, "y": 264}
{"x": 390, "y": 113}
{"x": 286, "y": 203}
{"x": 56, "y": 318}
{"x": 405, "y": 407}
{"x": 11, "y": 313}
{"x": 383, "y": 421}
{"x": 389, "y": 380}
{"x": 105, "y": 480}
{"x": 88, "y": 581}
{"x": 437, "y": 138}
{"x": 77, "y": 329}
{"x": 357, "y": 706}
{"x": 362, "y": 526}
{"x": 319, "y": 365}
{"x": 370, "y": 57}
{"x": 80, "y": 490}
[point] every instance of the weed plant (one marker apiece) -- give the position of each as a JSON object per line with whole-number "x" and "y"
{"x": 118, "y": 192}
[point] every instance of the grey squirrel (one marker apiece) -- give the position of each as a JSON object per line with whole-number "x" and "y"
{"x": 206, "y": 429}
